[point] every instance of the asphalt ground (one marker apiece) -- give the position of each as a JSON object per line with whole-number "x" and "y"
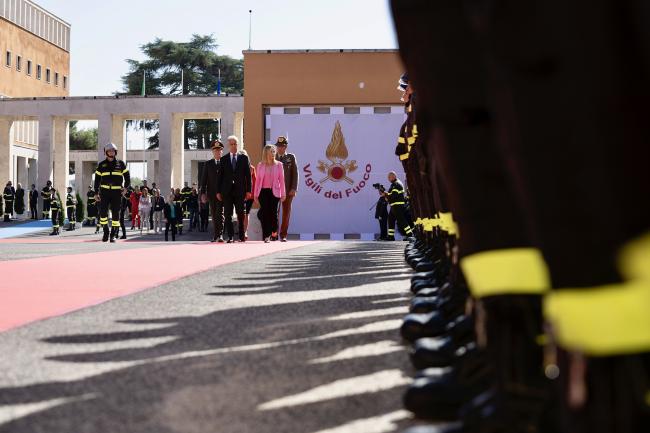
{"x": 304, "y": 340}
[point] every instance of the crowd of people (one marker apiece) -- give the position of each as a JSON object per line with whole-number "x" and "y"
{"x": 229, "y": 184}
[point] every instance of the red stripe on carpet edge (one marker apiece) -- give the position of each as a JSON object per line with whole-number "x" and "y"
{"x": 61, "y": 284}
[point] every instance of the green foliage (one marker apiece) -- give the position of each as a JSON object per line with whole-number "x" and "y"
{"x": 136, "y": 181}
{"x": 80, "y": 211}
{"x": 199, "y": 64}
{"x": 85, "y": 139}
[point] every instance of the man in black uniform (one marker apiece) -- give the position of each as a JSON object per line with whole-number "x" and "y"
{"x": 108, "y": 178}
{"x": 71, "y": 209}
{"x": 397, "y": 200}
{"x": 381, "y": 214}
{"x": 210, "y": 187}
{"x": 46, "y": 193}
{"x": 124, "y": 206}
{"x": 91, "y": 208}
{"x": 33, "y": 202}
{"x": 55, "y": 206}
{"x": 9, "y": 196}
{"x": 185, "y": 195}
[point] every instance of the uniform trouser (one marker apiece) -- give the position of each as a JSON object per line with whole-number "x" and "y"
{"x": 216, "y": 209}
{"x": 595, "y": 201}
{"x": 110, "y": 199}
{"x": 71, "y": 214}
{"x": 203, "y": 213}
{"x": 233, "y": 201}
{"x": 55, "y": 219}
{"x": 122, "y": 224}
{"x": 33, "y": 211}
{"x": 46, "y": 208}
{"x": 8, "y": 208}
{"x": 285, "y": 209}
{"x": 194, "y": 218}
{"x": 268, "y": 212}
{"x": 445, "y": 67}
{"x": 397, "y": 215}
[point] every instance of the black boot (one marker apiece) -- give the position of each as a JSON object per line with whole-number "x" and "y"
{"x": 106, "y": 234}
{"x": 114, "y": 234}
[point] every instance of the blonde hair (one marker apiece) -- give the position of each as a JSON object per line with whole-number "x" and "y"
{"x": 268, "y": 148}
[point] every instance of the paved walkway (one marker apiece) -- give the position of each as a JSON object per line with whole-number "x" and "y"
{"x": 299, "y": 340}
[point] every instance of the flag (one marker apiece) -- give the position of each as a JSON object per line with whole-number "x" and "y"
{"x": 144, "y": 81}
{"x": 219, "y": 83}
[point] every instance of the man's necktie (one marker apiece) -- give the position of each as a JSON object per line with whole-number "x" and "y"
{"x": 234, "y": 162}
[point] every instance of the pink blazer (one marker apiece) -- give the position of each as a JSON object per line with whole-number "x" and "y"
{"x": 277, "y": 173}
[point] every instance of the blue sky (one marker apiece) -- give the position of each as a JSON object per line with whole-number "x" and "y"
{"x": 104, "y": 33}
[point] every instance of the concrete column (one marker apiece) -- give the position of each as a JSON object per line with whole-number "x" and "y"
{"x": 227, "y": 126}
{"x": 61, "y": 154}
{"x": 85, "y": 170}
{"x": 238, "y": 127}
{"x": 178, "y": 151}
{"x": 151, "y": 172}
{"x": 6, "y": 150}
{"x": 164, "y": 174}
{"x": 45, "y": 150}
{"x": 111, "y": 129}
{"x": 22, "y": 172}
{"x": 32, "y": 172}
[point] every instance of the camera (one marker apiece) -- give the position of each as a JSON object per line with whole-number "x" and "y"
{"x": 379, "y": 187}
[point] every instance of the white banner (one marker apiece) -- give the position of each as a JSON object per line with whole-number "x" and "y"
{"x": 339, "y": 157}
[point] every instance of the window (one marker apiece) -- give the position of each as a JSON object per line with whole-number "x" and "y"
{"x": 65, "y": 82}
{"x": 56, "y": 78}
{"x": 47, "y": 75}
{"x": 19, "y": 63}
{"x": 8, "y": 59}
{"x": 38, "y": 72}
{"x": 29, "y": 67}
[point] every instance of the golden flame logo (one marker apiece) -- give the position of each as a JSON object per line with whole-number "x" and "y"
{"x": 337, "y": 154}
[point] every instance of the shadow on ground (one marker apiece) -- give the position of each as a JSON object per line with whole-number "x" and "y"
{"x": 220, "y": 368}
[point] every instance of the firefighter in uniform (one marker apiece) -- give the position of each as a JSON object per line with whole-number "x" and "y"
{"x": 91, "y": 208}
{"x": 178, "y": 200}
{"x": 185, "y": 196}
{"x": 55, "y": 208}
{"x": 71, "y": 209}
{"x": 46, "y": 193}
{"x": 111, "y": 175}
{"x": 397, "y": 199}
{"x": 9, "y": 195}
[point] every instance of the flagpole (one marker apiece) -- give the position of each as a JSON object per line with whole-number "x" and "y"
{"x": 250, "y": 27}
{"x": 182, "y": 78}
{"x": 144, "y": 133}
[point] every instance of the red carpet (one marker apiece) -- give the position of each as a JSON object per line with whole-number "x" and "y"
{"x": 34, "y": 289}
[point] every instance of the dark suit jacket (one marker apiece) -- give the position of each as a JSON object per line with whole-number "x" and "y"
{"x": 210, "y": 178}
{"x": 238, "y": 180}
{"x": 167, "y": 211}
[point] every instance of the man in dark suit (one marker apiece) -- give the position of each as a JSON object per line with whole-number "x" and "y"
{"x": 210, "y": 187}
{"x": 235, "y": 186}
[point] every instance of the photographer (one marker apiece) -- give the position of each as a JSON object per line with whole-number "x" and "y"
{"x": 397, "y": 200}
{"x": 381, "y": 212}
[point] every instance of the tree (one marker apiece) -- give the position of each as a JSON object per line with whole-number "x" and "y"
{"x": 198, "y": 63}
{"x": 85, "y": 139}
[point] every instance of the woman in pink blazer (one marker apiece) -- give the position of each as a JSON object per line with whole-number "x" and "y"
{"x": 269, "y": 190}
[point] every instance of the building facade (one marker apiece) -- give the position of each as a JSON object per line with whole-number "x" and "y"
{"x": 35, "y": 62}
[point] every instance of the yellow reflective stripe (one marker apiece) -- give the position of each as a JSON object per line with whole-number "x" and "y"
{"x": 391, "y": 231}
{"x": 603, "y": 321}
{"x": 507, "y": 271}
{"x": 634, "y": 258}
{"x": 116, "y": 173}
{"x": 408, "y": 230}
{"x": 410, "y": 140}
{"x": 419, "y": 222}
{"x": 126, "y": 170}
{"x": 401, "y": 140}
{"x": 447, "y": 223}
{"x": 397, "y": 202}
{"x": 98, "y": 173}
{"x": 397, "y": 191}
{"x": 111, "y": 186}
{"x": 115, "y": 223}
{"x": 414, "y": 130}
{"x": 404, "y": 156}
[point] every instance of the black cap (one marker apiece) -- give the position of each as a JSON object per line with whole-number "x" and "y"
{"x": 282, "y": 141}
{"x": 216, "y": 144}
